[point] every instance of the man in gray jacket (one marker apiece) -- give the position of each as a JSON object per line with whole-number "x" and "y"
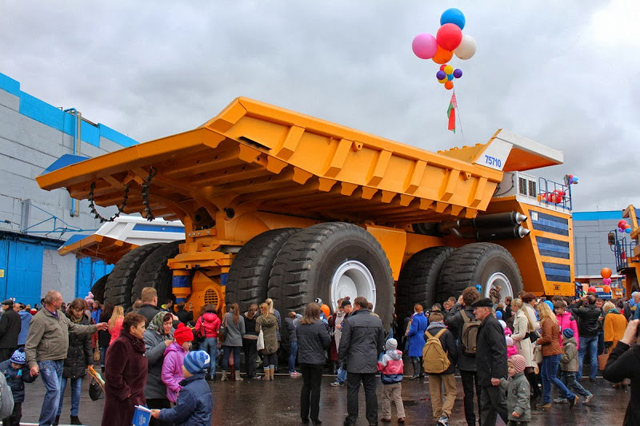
{"x": 46, "y": 349}
{"x": 361, "y": 343}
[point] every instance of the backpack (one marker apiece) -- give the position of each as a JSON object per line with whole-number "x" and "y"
{"x": 469, "y": 335}
{"x": 6, "y": 398}
{"x": 434, "y": 357}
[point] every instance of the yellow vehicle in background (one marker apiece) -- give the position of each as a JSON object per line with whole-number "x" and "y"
{"x": 279, "y": 204}
{"x": 627, "y": 252}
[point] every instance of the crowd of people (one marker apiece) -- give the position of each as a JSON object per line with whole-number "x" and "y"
{"x": 510, "y": 354}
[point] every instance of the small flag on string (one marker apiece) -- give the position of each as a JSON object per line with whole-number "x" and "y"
{"x": 451, "y": 113}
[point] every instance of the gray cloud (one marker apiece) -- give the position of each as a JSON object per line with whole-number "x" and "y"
{"x": 560, "y": 73}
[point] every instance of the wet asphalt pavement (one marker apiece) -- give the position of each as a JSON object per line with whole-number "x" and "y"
{"x": 277, "y": 403}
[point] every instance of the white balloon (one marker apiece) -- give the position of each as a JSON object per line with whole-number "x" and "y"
{"x": 467, "y": 48}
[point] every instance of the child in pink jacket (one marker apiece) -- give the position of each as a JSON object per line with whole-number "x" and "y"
{"x": 391, "y": 368}
{"x": 566, "y": 321}
{"x": 174, "y": 359}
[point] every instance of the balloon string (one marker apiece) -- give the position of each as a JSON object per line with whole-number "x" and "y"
{"x": 459, "y": 117}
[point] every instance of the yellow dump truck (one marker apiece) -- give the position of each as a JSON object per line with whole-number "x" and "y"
{"x": 627, "y": 251}
{"x": 283, "y": 205}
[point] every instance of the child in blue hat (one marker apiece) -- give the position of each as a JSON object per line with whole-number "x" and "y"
{"x": 195, "y": 401}
{"x": 17, "y": 374}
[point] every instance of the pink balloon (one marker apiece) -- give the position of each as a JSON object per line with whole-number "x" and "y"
{"x": 424, "y": 46}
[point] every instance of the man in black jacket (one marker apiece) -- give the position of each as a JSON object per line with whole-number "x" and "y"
{"x": 149, "y": 308}
{"x": 588, "y": 329}
{"x": 10, "y": 326}
{"x": 492, "y": 366}
{"x": 361, "y": 343}
{"x": 466, "y": 363}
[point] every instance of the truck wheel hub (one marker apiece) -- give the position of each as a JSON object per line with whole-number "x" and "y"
{"x": 353, "y": 279}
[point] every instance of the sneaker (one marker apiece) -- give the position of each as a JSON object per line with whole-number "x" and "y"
{"x": 588, "y": 399}
{"x": 560, "y": 401}
{"x": 573, "y": 401}
{"x": 295, "y": 374}
{"x": 386, "y": 419}
{"x": 443, "y": 421}
{"x": 547, "y": 405}
{"x": 337, "y": 383}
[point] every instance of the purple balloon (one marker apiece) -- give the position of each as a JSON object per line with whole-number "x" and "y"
{"x": 440, "y": 75}
{"x": 457, "y": 73}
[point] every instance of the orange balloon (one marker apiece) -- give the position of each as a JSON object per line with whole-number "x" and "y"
{"x": 605, "y": 273}
{"x": 606, "y": 289}
{"x": 442, "y": 56}
{"x": 448, "y": 85}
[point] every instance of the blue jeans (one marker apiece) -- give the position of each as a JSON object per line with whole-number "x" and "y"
{"x": 590, "y": 344}
{"x": 549, "y": 370}
{"x": 342, "y": 375}
{"x": 293, "y": 353}
{"x": 76, "y": 390}
{"x": 51, "y": 374}
{"x": 236, "y": 357}
{"x": 210, "y": 346}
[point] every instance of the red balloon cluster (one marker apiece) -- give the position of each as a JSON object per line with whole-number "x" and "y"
{"x": 555, "y": 197}
{"x": 623, "y": 226}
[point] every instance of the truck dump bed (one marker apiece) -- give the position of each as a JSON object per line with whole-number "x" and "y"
{"x": 285, "y": 162}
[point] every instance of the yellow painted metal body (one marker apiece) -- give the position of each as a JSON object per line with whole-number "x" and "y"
{"x": 632, "y": 272}
{"x": 257, "y": 167}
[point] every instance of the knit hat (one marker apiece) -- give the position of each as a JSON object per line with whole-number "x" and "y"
{"x": 183, "y": 334}
{"x": 499, "y": 315}
{"x": 519, "y": 363}
{"x": 19, "y": 357}
{"x": 568, "y": 333}
{"x": 549, "y": 304}
{"x": 196, "y": 361}
{"x": 318, "y": 301}
{"x": 391, "y": 345}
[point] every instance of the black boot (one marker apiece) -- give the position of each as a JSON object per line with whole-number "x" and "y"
{"x": 56, "y": 421}
{"x": 75, "y": 420}
{"x": 416, "y": 368}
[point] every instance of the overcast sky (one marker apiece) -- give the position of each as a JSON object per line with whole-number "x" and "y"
{"x": 563, "y": 73}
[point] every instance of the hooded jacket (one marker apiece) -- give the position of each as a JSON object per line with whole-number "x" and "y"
{"x": 16, "y": 379}
{"x": 569, "y": 360}
{"x": 172, "y": 370}
{"x": 194, "y": 405}
{"x": 210, "y": 323}
{"x": 155, "y": 348}
{"x": 391, "y": 367}
{"x": 518, "y": 397}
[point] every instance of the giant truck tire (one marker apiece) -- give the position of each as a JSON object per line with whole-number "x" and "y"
{"x": 249, "y": 274}
{"x": 120, "y": 282}
{"x": 487, "y": 264}
{"x": 98, "y": 288}
{"x": 330, "y": 261}
{"x": 419, "y": 279}
{"x": 154, "y": 272}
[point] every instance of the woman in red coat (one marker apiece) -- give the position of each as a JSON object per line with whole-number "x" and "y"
{"x": 125, "y": 373}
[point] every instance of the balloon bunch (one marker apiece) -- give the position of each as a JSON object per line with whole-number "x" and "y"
{"x": 623, "y": 226}
{"x": 605, "y": 273}
{"x": 447, "y": 74}
{"x": 571, "y": 179}
{"x": 448, "y": 41}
